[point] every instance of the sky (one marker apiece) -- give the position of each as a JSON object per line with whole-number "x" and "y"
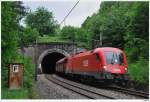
{"x": 61, "y": 8}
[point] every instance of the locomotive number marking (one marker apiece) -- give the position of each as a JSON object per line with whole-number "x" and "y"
{"x": 85, "y": 63}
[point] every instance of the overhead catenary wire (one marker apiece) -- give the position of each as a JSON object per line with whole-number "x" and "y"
{"x": 69, "y": 12}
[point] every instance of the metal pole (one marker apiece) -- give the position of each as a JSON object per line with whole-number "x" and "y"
{"x": 36, "y": 66}
{"x": 64, "y": 22}
{"x": 74, "y": 50}
{"x": 101, "y": 39}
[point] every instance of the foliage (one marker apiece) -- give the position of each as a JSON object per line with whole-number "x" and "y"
{"x": 42, "y": 20}
{"x": 29, "y": 72}
{"x": 68, "y": 32}
{"x": 46, "y": 39}
{"x": 29, "y": 36}
{"x": 28, "y": 80}
{"x": 137, "y": 31}
{"x": 109, "y": 21}
{"x": 82, "y": 38}
{"x": 139, "y": 71}
{"x": 123, "y": 24}
{"x": 137, "y": 46}
{"x": 75, "y": 34}
{"x": 12, "y": 12}
{"x": 14, "y": 94}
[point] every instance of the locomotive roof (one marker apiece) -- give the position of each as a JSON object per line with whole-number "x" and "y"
{"x": 108, "y": 49}
{"x": 97, "y": 50}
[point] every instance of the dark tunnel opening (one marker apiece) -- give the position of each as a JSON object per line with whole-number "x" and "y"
{"x": 49, "y": 62}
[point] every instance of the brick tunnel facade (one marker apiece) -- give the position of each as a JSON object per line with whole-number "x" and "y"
{"x": 45, "y": 55}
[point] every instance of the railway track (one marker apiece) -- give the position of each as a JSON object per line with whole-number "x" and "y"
{"x": 140, "y": 94}
{"x": 87, "y": 92}
{"x": 130, "y": 91}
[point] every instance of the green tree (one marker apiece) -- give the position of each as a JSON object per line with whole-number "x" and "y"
{"x": 42, "y": 20}
{"x": 137, "y": 33}
{"x": 30, "y": 36}
{"x": 12, "y": 12}
{"x": 69, "y": 32}
{"x": 110, "y": 21}
{"x": 75, "y": 34}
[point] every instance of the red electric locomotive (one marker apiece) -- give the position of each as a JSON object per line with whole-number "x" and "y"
{"x": 101, "y": 63}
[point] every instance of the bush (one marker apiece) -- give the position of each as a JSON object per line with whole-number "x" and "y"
{"x": 29, "y": 73}
{"x": 139, "y": 71}
{"x": 48, "y": 39}
{"x": 29, "y": 36}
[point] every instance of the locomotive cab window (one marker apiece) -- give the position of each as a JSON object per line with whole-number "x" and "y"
{"x": 121, "y": 58}
{"x": 114, "y": 58}
{"x": 97, "y": 57}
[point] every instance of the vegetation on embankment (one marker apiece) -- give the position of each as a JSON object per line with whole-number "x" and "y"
{"x": 139, "y": 71}
{"x": 28, "y": 80}
{"x": 47, "y": 39}
{"x": 12, "y": 12}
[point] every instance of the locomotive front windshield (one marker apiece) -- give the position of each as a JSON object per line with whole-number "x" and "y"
{"x": 114, "y": 58}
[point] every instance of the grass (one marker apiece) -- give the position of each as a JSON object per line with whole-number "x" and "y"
{"x": 23, "y": 93}
{"x": 46, "y": 39}
{"x": 14, "y": 94}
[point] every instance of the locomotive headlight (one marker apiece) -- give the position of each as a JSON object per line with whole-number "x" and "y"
{"x": 126, "y": 69}
{"x": 105, "y": 67}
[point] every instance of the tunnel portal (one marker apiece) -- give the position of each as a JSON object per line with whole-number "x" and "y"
{"x": 49, "y": 62}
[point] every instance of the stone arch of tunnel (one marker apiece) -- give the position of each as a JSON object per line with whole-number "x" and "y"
{"x": 48, "y": 59}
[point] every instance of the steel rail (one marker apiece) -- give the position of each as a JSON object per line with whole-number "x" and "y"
{"x": 130, "y": 91}
{"x": 78, "y": 89}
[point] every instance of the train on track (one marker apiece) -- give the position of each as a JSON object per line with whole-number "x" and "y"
{"x": 103, "y": 64}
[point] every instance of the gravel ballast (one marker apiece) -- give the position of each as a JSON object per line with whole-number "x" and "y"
{"x": 49, "y": 90}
